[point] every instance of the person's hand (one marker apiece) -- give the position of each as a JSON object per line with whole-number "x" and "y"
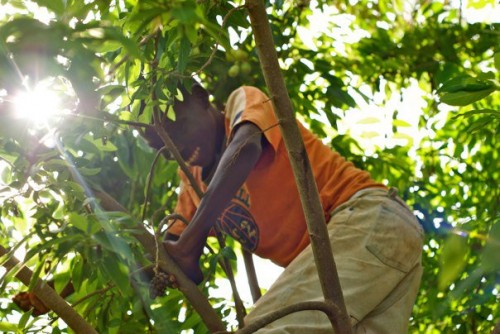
{"x": 28, "y": 300}
{"x": 187, "y": 262}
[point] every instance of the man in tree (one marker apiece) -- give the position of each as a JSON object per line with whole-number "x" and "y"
{"x": 239, "y": 159}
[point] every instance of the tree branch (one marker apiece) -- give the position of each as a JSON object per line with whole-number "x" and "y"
{"x": 49, "y": 297}
{"x": 299, "y": 160}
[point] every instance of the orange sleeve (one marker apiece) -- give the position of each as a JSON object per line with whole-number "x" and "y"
{"x": 250, "y": 104}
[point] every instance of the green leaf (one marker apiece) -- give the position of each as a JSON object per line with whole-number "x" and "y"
{"x": 229, "y": 253}
{"x": 116, "y": 272}
{"x": 61, "y": 280}
{"x": 489, "y": 258}
{"x": 338, "y": 97}
{"x": 103, "y": 147}
{"x": 463, "y": 98}
{"x": 171, "y": 112}
{"x": 465, "y": 83}
{"x": 401, "y": 123}
{"x": 185, "y": 14}
{"x": 494, "y": 113}
{"x": 496, "y": 58}
{"x": 59, "y": 212}
{"x": 480, "y": 124}
{"x": 77, "y": 272}
{"x": 84, "y": 223}
{"x": 369, "y": 134}
{"x": 112, "y": 89}
{"x": 368, "y": 120}
{"x": 452, "y": 260}
{"x": 113, "y": 243}
{"x": 36, "y": 274}
{"x": 6, "y": 176}
{"x": 6, "y": 327}
{"x": 185, "y": 49}
{"x": 480, "y": 4}
{"x": 24, "y": 319}
{"x": 57, "y": 6}
{"x": 72, "y": 240}
{"x": 89, "y": 171}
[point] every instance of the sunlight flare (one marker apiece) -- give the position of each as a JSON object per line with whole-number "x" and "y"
{"x": 39, "y": 104}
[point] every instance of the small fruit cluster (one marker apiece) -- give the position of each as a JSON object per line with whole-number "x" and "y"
{"x": 241, "y": 64}
{"x": 159, "y": 284}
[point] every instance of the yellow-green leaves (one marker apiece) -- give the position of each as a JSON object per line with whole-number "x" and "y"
{"x": 452, "y": 261}
{"x": 490, "y": 259}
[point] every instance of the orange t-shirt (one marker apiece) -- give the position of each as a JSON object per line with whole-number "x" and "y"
{"x": 266, "y": 215}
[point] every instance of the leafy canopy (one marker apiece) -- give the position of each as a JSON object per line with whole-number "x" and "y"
{"x": 110, "y": 64}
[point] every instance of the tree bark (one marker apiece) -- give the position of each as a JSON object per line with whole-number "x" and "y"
{"x": 301, "y": 167}
{"x": 50, "y": 297}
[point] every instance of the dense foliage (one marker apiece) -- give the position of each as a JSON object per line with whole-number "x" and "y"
{"x": 405, "y": 89}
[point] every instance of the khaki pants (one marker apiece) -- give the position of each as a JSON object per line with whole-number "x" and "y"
{"x": 377, "y": 245}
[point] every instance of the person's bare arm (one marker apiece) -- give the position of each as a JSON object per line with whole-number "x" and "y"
{"x": 235, "y": 165}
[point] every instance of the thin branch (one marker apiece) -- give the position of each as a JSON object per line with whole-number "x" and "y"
{"x": 93, "y": 293}
{"x": 158, "y": 236}
{"x": 149, "y": 180}
{"x": 49, "y": 297}
{"x": 170, "y": 217}
{"x": 114, "y": 121}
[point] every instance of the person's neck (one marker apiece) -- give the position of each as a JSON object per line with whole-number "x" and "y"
{"x": 220, "y": 145}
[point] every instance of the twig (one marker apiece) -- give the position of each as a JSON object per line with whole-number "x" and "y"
{"x": 171, "y": 216}
{"x": 158, "y": 233}
{"x": 149, "y": 180}
{"x": 115, "y": 121}
{"x": 93, "y": 293}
